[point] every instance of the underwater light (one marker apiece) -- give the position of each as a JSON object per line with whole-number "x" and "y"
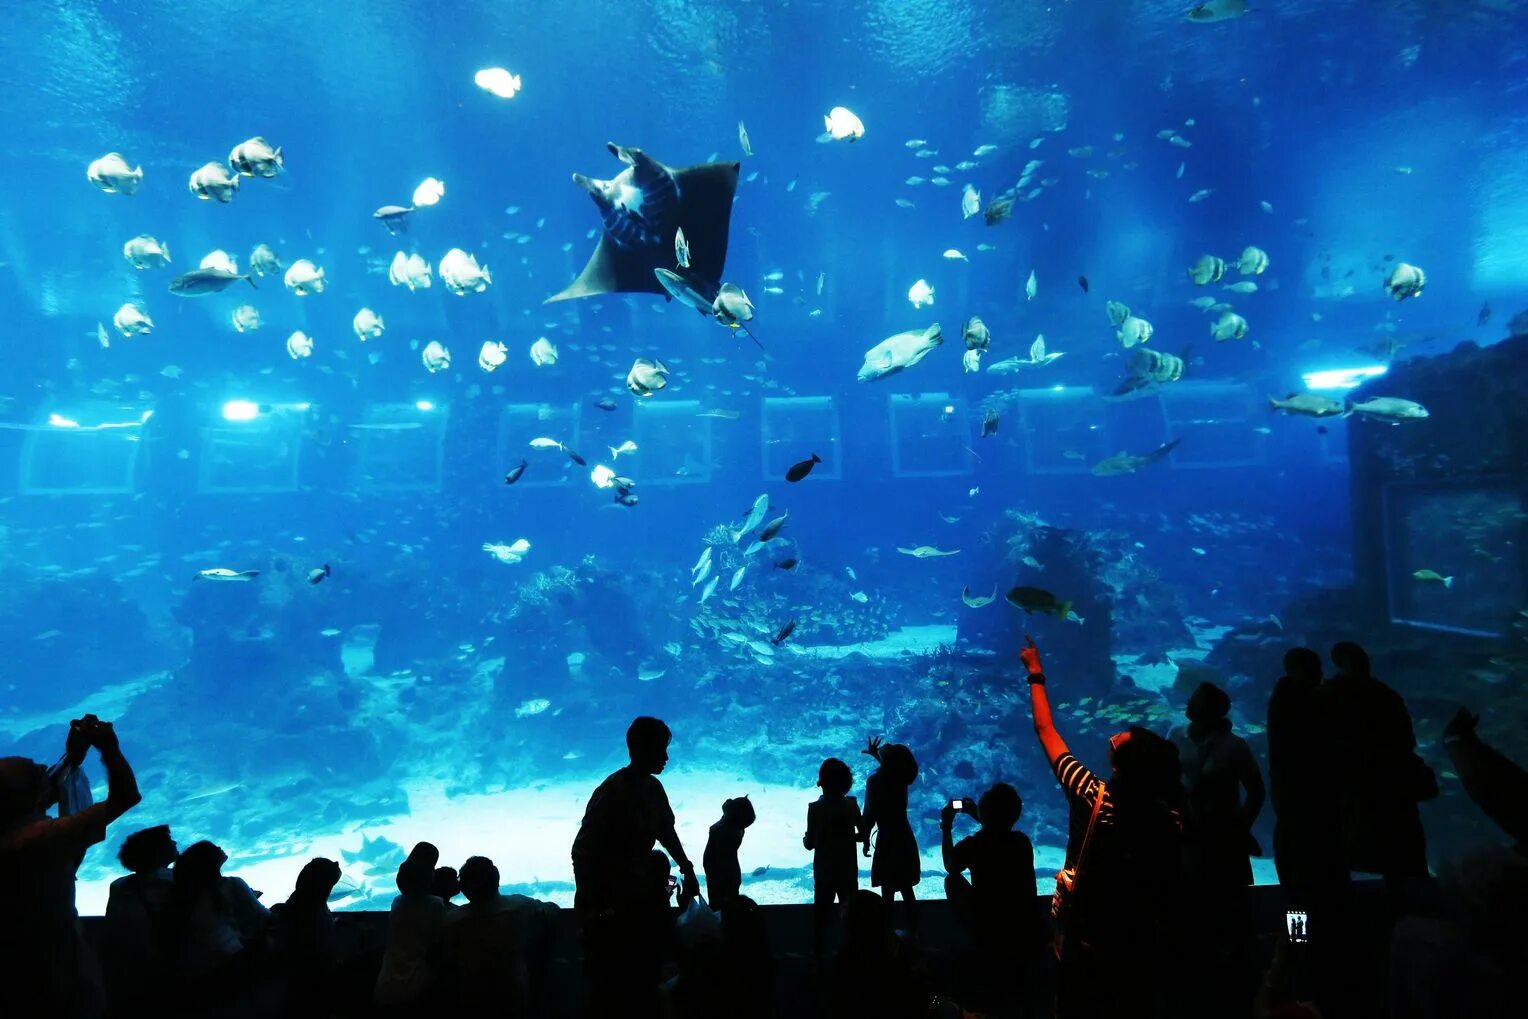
{"x": 240, "y": 410}
{"x": 425, "y": 405}
{"x": 1342, "y": 378}
{"x": 1058, "y": 389}
{"x": 59, "y": 421}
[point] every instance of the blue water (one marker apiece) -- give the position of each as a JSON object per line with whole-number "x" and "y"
{"x": 278, "y": 716}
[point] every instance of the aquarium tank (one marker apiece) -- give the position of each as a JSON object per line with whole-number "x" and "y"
{"x": 400, "y": 398}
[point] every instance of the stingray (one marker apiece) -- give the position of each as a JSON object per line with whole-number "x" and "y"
{"x": 640, "y": 210}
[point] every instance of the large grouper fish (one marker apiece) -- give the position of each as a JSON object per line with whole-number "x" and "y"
{"x": 641, "y": 210}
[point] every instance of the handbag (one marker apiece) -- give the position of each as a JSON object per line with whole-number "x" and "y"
{"x": 1064, "y": 899}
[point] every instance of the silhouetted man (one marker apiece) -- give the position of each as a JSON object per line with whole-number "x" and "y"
{"x": 625, "y": 817}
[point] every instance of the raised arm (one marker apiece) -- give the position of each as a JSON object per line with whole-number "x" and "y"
{"x": 1498, "y": 786}
{"x": 1045, "y": 728}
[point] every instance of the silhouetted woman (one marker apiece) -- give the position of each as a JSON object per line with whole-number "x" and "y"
{"x": 1116, "y": 901}
{"x": 895, "y": 868}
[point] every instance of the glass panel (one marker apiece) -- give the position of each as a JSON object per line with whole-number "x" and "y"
{"x": 794, "y": 428}
{"x": 930, "y": 435}
{"x": 675, "y": 444}
{"x": 1065, "y": 429}
{"x": 1214, "y": 419}
{"x": 1461, "y": 541}
{"x": 400, "y": 448}
{"x": 80, "y": 458}
{"x": 522, "y": 422}
{"x": 253, "y": 457}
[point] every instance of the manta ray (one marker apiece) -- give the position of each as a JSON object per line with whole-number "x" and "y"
{"x": 641, "y": 210}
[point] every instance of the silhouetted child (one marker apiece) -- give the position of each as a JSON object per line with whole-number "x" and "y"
{"x": 724, "y": 875}
{"x": 832, "y": 829}
{"x": 896, "y": 866}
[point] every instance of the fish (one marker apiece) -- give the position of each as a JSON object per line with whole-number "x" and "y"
{"x": 801, "y": 470}
{"x": 976, "y": 601}
{"x": 1035, "y": 599}
{"x": 509, "y": 554}
{"x": 299, "y": 345}
{"x": 786, "y": 564}
{"x": 492, "y": 355}
{"x": 461, "y": 274}
{"x": 219, "y": 259}
{"x": 737, "y": 577}
{"x": 1217, "y": 10}
{"x": 246, "y": 318}
{"x": 1433, "y": 577}
{"x": 1253, "y": 261}
{"x": 1200, "y": 195}
{"x": 647, "y": 376}
{"x": 998, "y": 210}
{"x": 319, "y": 574}
{"x": 755, "y": 517}
{"x": 429, "y": 192}
{"x": 144, "y": 252}
{"x": 543, "y": 353}
{"x": 132, "y": 320}
{"x": 573, "y": 455}
{"x": 1230, "y": 326}
{"x": 989, "y": 423}
{"x": 435, "y": 357}
{"x": 915, "y": 143}
{"x": 785, "y": 631}
{"x": 256, "y": 158}
{"x": 221, "y": 574}
{"x": 1125, "y": 463}
{"x": 921, "y": 294}
{"x": 976, "y": 334}
{"x": 743, "y": 140}
{"x": 367, "y": 324}
{"x": 605, "y": 404}
{"x": 897, "y": 353}
{"x": 641, "y": 210}
{"x": 707, "y": 591}
{"x": 263, "y": 261}
{"x": 1388, "y": 408}
{"x": 304, "y": 278}
{"x": 840, "y": 124}
{"x": 201, "y": 282}
{"x": 410, "y": 271}
{"x": 1031, "y": 286}
{"x": 112, "y": 175}
{"x": 699, "y": 575}
{"x": 647, "y": 674}
{"x": 602, "y": 476}
{"x": 927, "y": 552}
{"x": 970, "y": 201}
{"x": 984, "y": 150}
{"x": 214, "y": 182}
{"x": 533, "y": 707}
{"x": 705, "y": 557}
{"x": 1308, "y": 405}
{"x": 1082, "y": 281}
{"x": 1405, "y": 281}
{"x": 861, "y": 597}
{"x": 497, "y": 81}
{"x": 515, "y": 473}
{"x": 541, "y": 442}
{"x": 681, "y": 249}
{"x": 903, "y": 203}
{"x": 1244, "y": 287}
{"x": 955, "y": 255}
{"x": 394, "y": 217}
{"x": 772, "y": 528}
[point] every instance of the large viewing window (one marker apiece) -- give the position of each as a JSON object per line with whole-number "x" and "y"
{"x": 400, "y": 447}
{"x": 930, "y": 435}
{"x": 675, "y": 442}
{"x": 87, "y": 452}
{"x": 794, "y": 428}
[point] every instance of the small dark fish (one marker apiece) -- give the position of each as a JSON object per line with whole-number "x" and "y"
{"x": 623, "y": 484}
{"x": 625, "y": 498}
{"x": 394, "y": 217}
{"x": 989, "y": 424}
{"x": 607, "y": 404}
{"x": 1034, "y": 599}
{"x": 786, "y": 564}
{"x": 785, "y": 631}
{"x": 772, "y": 528}
{"x": 759, "y": 872}
{"x": 802, "y": 469}
{"x": 1321, "y": 429}
{"x": 573, "y": 455}
{"x": 1082, "y": 281}
{"x": 1484, "y": 316}
{"x": 317, "y": 576}
{"x": 514, "y": 473}
{"x": 998, "y": 210}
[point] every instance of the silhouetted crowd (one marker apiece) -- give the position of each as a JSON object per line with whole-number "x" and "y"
{"x": 1151, "y": 915}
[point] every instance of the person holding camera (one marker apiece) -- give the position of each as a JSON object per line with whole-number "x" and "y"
{"x": 45, "y": 966}
{"x": 1116, "y": 900}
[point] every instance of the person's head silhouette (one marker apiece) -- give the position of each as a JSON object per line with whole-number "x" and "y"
{"x": 738, "y": 811}
{"x": 148, "y": 850}
{"x": 1302, "y": 663}
{"x": 1351, "y": 660}
{"x": 1208, "y": 703}
{"x": 647, "y": 741}
{"x": 835, "y": 778}
{"x": 480, "y": 879}
{"x": 1143, "y": 764}
{"x": 1000, "y": 807}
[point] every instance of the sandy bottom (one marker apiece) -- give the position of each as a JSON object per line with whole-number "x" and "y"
{"x": 528, "y": 833}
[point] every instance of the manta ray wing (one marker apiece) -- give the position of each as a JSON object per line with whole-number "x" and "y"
{"x": 705, "y": 216}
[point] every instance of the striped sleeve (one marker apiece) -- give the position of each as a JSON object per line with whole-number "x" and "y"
{"x": 1079, "y": 784}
